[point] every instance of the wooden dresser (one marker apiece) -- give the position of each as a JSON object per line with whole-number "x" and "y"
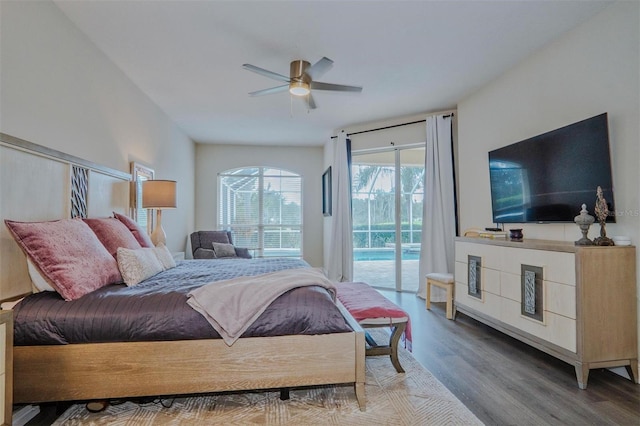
{"x": 577, "y": 303}
{"x": 6, "y": 366}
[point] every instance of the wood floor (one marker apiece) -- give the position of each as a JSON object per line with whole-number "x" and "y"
{"x": 505, "y": 382}
{"x": 502, "y": 381}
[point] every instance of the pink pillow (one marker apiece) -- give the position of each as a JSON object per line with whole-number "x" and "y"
{"x": 112, "y": 234}
{"x": 69, "y": 255}
{"x": 137, "y": 232}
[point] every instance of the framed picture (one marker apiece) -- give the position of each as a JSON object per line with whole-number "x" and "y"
{"x": 326, "y": 192}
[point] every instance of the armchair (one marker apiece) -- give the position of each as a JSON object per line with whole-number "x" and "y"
{"x": 202, "y": 244}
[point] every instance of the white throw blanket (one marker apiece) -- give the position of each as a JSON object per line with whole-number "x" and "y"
{"x": 231, "y": 306}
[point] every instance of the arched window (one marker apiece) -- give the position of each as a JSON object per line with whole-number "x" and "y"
{"x": 262, "y": 206}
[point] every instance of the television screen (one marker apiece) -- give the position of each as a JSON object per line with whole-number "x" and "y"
{"x": 547, "y": 178}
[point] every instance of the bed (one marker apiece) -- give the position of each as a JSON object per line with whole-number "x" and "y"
{"x": 77, "y": 370}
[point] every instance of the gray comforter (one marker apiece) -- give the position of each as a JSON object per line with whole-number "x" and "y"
{"x": 156, "y": 309}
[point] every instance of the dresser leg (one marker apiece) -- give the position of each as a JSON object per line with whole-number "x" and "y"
{"x": 582, "y": 374}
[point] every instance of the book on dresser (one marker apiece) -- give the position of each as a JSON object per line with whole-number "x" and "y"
{"x": 493, "y": 234}
{"x": 577, "y": 303}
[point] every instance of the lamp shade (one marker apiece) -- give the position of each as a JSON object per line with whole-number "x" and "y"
{"x": 159, "y": 194}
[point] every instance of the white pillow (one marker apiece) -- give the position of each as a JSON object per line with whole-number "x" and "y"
{"x": 138, "y": 264}
{"x": 164, "y": 256}
{"x": 38, "y": 283}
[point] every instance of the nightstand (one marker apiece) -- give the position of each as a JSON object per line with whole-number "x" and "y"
{"x": 6, "y": 366}
{"x": 178, "y": 256}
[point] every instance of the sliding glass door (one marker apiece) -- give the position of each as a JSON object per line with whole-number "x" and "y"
{"x": 387, "y": 188}
{"x": 374, "y": 224}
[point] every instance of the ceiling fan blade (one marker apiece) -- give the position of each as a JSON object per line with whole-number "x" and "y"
{"x": 318, "y": 69}
{"x": 270, "y": 90}
{"x": 311, "y": 103}
{"x": 317, "y": 85}
{"x": 266, "y": 73}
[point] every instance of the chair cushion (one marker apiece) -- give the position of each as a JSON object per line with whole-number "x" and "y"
{"x": 243, "y": 252}
{"x": 207, "y": 238}
{"x": 202, "y": 253}
{"x": 444, "y": 278}
{"x": 224, "y": 250}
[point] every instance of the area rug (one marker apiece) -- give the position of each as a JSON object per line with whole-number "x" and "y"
{"x": 415, "y": 397}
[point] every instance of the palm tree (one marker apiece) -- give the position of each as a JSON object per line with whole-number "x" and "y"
{"x": 365, "y": 177}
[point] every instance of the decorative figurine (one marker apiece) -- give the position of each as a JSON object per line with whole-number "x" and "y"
{"x": 515, "y": 234}
{"x": 584, "y": 221}
{"x": 602, "y": 211}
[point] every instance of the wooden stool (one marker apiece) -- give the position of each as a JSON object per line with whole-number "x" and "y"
{"x": 446, "y": 282}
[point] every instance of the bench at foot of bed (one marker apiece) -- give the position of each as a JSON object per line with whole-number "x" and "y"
{"x": 371, "y": 309}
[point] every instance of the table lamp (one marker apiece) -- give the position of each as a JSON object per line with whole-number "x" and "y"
{"x": 159, "y": 194}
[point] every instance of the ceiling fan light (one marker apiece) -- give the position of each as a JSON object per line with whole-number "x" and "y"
{"x": 299, "y": 88}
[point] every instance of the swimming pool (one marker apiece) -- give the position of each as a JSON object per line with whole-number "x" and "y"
{"x": 360, "y": 254}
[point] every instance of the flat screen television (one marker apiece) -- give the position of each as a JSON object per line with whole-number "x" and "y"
{"x": 548, "y": 177}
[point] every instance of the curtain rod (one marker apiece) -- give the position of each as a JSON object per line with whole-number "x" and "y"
{"x": 389, "y": 127}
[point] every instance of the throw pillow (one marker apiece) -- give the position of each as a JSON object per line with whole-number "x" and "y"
{"x": 68, "y": 254}
{"x": 164, "y": 256}
{"x": 138, "y": 265}
{"x": 112, "y": 234}
{"x": 224, "y": 250}
{"x": 138, "y": 233}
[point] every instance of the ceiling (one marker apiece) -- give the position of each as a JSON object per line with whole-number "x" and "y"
{"x": 409, "y": 56}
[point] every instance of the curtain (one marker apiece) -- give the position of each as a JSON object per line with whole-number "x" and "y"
{"x": 438, "y": 215}
{"x": 340, "y": 265}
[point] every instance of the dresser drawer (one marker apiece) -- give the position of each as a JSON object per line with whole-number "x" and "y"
{"x": 556, "y": 329}
{"x": 558, "y": 267}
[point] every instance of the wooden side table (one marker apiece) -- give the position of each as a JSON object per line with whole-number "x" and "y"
{"x": 6, "y": 366}
{"x": 178, "y": 255}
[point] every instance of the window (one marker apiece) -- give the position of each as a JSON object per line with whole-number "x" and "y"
{"x": 262, "y": 206}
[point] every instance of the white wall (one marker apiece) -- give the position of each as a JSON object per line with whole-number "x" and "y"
{"x": 305, "y": 161}
{"x": 592, "y": 69}
{"x": 388, "y": 138}
{"x": 58, "y": 90}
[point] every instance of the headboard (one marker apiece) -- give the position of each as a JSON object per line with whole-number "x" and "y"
{"x": 38, "y": 183}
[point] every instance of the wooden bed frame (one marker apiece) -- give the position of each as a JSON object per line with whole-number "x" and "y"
{"x": 116, "y": 370}
{"x": 130, "y": 369}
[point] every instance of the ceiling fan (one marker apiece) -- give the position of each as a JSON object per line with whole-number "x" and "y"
{"x": 301, "y": 80}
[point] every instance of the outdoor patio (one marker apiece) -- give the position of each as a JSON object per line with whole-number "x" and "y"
{"x": 381, "y": 273}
